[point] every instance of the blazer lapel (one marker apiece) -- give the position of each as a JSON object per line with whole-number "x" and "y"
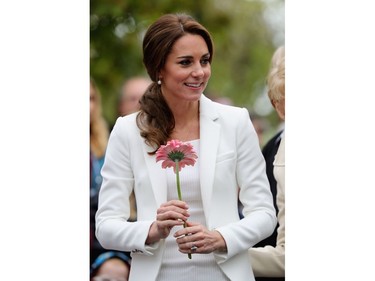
{"x": 157, "y": 176}
{"x": 209, "y": 139}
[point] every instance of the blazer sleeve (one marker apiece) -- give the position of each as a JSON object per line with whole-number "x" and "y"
{"x": 269, "y": 261}
{"x": 254, "y": 193}
{"x": 113, "y": 229}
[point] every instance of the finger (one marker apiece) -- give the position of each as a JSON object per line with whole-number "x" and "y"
{"x": 173, "y": 208}
{"x": 165, "y": 227}
{"x": 171, "y": 215}
{"x": 189, "y": 223}
{"x": 179, "y": 210}
{"x": 169, "y": 224}
{"x": 185, "y": 240}
{"x": 189, "y": 248}
{"x": 177, "y": 203}
{"x": 193, "y": 248}
{"x": 190, "y": 230}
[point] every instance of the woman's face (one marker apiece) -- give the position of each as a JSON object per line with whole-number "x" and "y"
{"x": 187, "y": 69}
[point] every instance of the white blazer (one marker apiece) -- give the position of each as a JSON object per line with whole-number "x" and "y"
{"x": 231, "y": 167}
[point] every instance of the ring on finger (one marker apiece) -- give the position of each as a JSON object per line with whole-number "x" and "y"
{"x": 193, "y": 248}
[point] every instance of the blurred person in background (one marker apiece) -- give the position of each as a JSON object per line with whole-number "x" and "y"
{"x": 268, "y": 256}
{"x": 261, "y": 125}
{"x": 98, "y": 142}
{"x": 131, "y": 92}
{"x": 220, "y": 99}
{"x": 110, "y": 266}
{"x": 99, "y": 134}
{"x": 223, "y": 100}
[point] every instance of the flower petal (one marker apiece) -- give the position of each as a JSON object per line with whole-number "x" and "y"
{"x": 176, "y": 150}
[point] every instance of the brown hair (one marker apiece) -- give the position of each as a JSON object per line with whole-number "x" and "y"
{"x": 155, "y": 119}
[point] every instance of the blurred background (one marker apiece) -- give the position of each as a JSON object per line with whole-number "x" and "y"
{"x": 245, "y": 34}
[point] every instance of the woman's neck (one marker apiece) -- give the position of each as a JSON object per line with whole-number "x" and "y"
{"x": 186, "y": 123}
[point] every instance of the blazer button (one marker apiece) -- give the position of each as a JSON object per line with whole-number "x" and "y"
{"x": 137, "y": 251}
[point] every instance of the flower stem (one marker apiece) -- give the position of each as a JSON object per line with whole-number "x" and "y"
{"x": 179, "y": 191}
{"x": 178, "y": 181}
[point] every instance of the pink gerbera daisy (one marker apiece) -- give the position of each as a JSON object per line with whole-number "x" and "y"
{"x": 176, "y": 154}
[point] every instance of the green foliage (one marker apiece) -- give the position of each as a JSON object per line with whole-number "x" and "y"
{"x": 243, "y": 45}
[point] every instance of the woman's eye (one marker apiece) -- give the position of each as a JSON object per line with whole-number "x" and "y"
{"x": 184, "y": 62}
{"x": 205, "y": 61}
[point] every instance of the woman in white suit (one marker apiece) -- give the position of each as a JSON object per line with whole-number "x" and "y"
{"x": 177, "y": 55}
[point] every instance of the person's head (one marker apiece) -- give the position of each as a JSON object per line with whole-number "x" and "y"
{"x": 95, "y": 102}
{"x": 113, "y": 269}
{"x": 161, "y": 37}
{"x": 98, "y": 125}
{"x": 177, "y": 54}
{"x": 223, "y": 100}
{"x": 276, "y": 82}
{"x": 110, "y": 265}
{"x": 131, "y": 92}
{"x": 260, "y": 125}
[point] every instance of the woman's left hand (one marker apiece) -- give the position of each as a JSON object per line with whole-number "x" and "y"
{"x": 196, "y": 238}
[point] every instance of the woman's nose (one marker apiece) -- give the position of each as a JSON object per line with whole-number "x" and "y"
{"x": 197, "y": 71}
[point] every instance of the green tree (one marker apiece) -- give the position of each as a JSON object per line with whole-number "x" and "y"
{"x": 243, "y": 45}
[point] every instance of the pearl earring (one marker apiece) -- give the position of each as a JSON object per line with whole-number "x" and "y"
{"x": 159, "y": 82}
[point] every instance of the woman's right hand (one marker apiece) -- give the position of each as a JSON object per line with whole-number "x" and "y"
{"x": 169, "y": 214}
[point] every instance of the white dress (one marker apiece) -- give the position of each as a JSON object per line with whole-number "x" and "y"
{"x": 175, "y": 265}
